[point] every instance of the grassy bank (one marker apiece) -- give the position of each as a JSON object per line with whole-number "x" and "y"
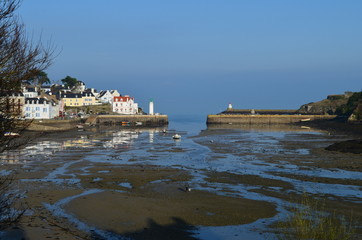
{"x": 92, "y": 109}
{"x": 309, "y": 219}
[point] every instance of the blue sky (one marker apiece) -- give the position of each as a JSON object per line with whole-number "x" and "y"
{"x": 196, "y": 56}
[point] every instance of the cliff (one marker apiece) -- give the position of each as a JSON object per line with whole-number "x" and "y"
{"x": 326, "y": 106}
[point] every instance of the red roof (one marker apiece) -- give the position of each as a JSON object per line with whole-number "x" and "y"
{"x": 122, "y": 99}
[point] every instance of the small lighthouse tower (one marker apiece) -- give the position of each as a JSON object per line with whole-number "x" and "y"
{"x": 230, "y": 106}
{"x": 151, "y": 110}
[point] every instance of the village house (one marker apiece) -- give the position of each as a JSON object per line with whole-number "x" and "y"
{"x": 115, "y": 93}
{"x": 88, "y": 99}
{"x": 79, "y": 87}
{"x": 124, "y": 105}
{"x": 78, "y": 99}
{"x": 105, "y": 96}
{"x": 72, "y": 99}
{"x": 40, "y": 108}
{"x": 30, "y": 92}
{"x": 45, "y": 88}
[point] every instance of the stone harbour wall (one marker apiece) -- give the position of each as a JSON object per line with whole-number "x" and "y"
{"x": 53, "y": 125}
{"x": 139, "y": 120}
{"x": 263, "y": 119}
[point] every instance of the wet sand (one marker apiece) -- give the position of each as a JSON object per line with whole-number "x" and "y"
{"x": 71, "y": 196}
{"x": 129, "y": 200}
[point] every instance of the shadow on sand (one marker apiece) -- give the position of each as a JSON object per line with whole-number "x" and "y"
{"x": 178, "y": 230}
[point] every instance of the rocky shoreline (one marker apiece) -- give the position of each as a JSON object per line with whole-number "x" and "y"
{"x": 341, "y": 126}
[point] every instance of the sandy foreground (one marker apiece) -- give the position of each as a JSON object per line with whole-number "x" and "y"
{"x": 154, "y": 201}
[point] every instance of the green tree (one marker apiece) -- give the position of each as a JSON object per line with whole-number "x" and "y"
{"x": 351, "y": 106}
{"x": 40, "y": 78}
{"x": 69, "y": 81}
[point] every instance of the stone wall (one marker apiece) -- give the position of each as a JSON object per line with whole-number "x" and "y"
{"x": 144, "y": 120}
{"x": 53, "y": 125}
{"x": 263, "y": 119}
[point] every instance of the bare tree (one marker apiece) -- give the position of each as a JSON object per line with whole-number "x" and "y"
{"x": 20, "y": 59}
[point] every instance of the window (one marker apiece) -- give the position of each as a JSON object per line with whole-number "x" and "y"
{"x": 27, "y": 114}
{"x": 45, "y": 110}
{"x": 37, "y": 109}
{"x": 37, "y": 115}
{"x": 27, "y": 108}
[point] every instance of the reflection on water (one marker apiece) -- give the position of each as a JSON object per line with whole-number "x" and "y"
{"x": 42, "y": 149}
{"x": 125, "y": 138}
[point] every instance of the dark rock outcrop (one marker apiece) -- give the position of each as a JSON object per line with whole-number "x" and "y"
{"x": 350, "y": 146}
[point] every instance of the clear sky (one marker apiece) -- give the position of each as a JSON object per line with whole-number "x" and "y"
{"x": 196, "y": 56}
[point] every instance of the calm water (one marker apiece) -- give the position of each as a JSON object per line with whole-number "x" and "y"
{"x": 262, "y": 151}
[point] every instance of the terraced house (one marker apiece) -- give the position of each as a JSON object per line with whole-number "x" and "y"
{"x": 78, "y": 99}
{"x": 72, "y": 99}
{"x": 88, "y": 98}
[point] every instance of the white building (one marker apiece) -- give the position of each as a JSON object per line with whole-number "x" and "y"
{"x": 40, "y": 108}
{"x": 124, "y": 105}
{"x": 105, "y": 96}
{"x": 30, "y": 92}
{"x": 115, "y": 93}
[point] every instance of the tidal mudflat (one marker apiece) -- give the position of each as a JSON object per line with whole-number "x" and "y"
{"x": 225, "y": 182}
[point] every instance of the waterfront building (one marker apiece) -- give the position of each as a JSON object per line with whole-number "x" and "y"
{"x": 124, "y": 105}
{"x": 78, "y": 99}
{"x": 105, "y": 96}
{"x": 40, "y": 108}
{"x": 72, "y": 99}
{"x": 88, "y": 99}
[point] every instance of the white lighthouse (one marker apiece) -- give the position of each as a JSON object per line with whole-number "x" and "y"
{"x": 230, "y": 106}
{"x": 151, "y": 111}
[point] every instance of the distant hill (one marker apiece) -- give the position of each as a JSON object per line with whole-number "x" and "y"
{"x": 348, "y": 104}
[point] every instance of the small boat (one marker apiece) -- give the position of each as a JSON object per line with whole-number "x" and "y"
{"x": 164, "y": 130}
{"x": 80, "y": 126}
{"x": 305, "y": 120}
{"x": 125, "y": 123}
{"x": 176, "y": 136}
{"x": 11, "y": 134}
{"x": 138, "y": 123}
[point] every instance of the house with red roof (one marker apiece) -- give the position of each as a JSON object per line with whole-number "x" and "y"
{"x": 124, "y": 105}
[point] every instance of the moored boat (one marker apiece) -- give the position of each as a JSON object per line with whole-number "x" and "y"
{"x": 176, "y": 136}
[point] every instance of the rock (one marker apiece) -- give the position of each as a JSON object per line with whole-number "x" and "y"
{"x": 350, "y": 146}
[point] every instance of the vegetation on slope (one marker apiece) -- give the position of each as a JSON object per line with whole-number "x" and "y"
{"x": 353, "y": 106}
